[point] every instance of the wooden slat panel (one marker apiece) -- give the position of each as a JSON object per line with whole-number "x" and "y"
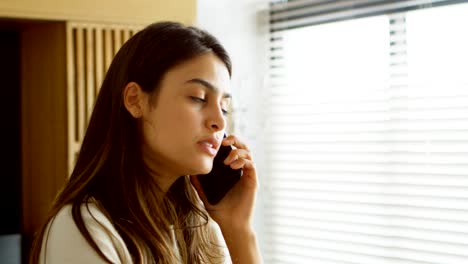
{"x": 71, "y": 107}
{"x": 117, "y": 37}
{"x": 108, "y": 49}
{"x": 90, "y": 50}
{"x": 126, "y": 35}
{"x": 99, "y": 59}
{"x": 90, "y": 83}
{"x": 80, "y": 82}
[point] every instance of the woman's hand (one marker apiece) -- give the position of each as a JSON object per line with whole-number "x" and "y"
{"x": 236, "y": 208}
{"x": 234, "y": 212}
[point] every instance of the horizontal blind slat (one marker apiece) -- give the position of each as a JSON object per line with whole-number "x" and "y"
{"x": 381, "y": 239}
{"x": 289, "y": 20}
{"x": 316, "y": 8}
{"x": 302, "y": 247}
{"x": 457, "y": 217}
{"x": 332, "y": 136}
{"x": 386, "y": 225}
{"x": 387, "y": 177}
{"x": 291, "y": 254}
{"x": 356, "y": 147}
{"x": 377, "y": 188}
{"x": 370, "y": 198}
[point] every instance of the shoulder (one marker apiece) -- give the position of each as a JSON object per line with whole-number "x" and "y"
{"x": 64, "y": 243}
{"x": 219, "y": 244}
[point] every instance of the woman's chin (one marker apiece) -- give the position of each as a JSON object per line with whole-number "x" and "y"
{"x": 205, "y": 168}
{"x": 200, "y": 166}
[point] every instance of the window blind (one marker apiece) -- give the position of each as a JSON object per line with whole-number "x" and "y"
{"x": 299, "y": 13}
{"x": 367, "y": 133}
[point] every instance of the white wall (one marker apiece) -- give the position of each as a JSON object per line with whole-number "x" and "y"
{"x": 241, "y": 26}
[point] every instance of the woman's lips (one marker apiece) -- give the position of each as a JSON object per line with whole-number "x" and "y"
{"x": 208, "y": 148}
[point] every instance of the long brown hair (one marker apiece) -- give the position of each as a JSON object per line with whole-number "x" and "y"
{"x": 110, "y": 171}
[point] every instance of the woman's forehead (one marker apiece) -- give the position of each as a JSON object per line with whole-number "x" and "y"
{"x": 206, "y": 70}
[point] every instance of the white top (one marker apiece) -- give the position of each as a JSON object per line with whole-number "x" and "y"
{"x": 65, "y": 243}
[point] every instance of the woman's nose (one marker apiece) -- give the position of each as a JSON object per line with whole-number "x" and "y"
{"x": 217, "y": 120}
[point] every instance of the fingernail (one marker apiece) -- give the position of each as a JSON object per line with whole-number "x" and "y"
{"x": 230, "y": 159}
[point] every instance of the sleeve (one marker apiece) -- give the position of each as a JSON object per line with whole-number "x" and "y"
{"x": 64, "y": 243}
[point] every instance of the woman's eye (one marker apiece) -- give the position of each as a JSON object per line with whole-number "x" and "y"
{"x": 202, "y": 100}
{"x": 197, "y": 99}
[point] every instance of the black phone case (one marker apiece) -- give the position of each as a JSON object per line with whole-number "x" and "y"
{"x": 221, "y": 179}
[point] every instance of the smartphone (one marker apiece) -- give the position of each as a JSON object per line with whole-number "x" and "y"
{"x": 221, "y": 178}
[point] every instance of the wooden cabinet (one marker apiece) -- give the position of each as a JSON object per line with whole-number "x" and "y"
{"x": 62, "y": 67}
{"x": 43, "y": 118}
{"x": 111, "y": 11}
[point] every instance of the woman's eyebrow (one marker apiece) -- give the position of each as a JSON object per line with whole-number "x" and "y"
{"x": 209, "y": 86}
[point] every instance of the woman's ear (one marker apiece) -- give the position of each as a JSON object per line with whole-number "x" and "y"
{"x": 133, "y": 98}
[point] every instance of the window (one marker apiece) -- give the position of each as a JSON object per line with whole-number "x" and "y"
{"x": 368, "y": 134}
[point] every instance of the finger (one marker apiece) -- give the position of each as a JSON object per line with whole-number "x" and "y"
{"x": 247, "y": 165}
{"x": 249, "y": 174}
{"x": 237, "y": 164}
{"x": 235, "y": 141}
{"x": 236, "y": 154}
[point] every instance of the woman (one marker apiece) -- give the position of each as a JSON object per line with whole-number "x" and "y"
{"x": 159, "y": 120}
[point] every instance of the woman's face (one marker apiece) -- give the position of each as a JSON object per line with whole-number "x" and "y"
{"x": 184, "y": 126}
